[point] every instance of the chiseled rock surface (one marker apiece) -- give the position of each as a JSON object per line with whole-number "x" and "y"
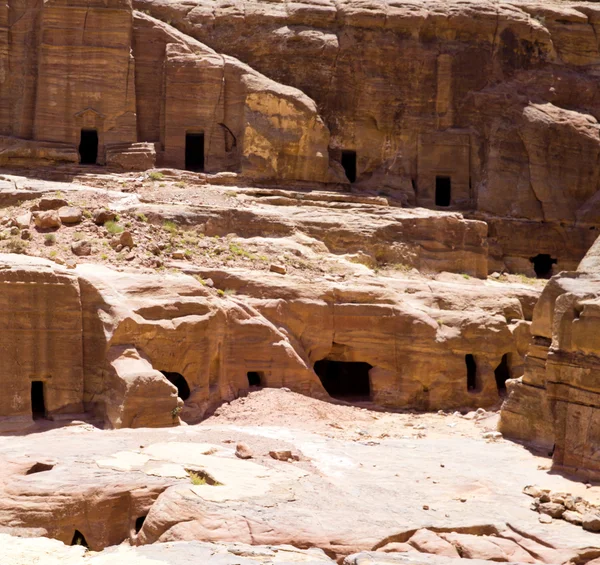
{"x": 556, "y": 402}
{"x": 503, "y": 100}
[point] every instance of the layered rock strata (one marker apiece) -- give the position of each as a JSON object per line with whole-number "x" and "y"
{"x": 133, "y": 347}
{"x": 555, "y": 403}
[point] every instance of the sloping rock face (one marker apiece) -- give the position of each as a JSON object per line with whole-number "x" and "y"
{"x": 141, "y": 350}
{"x": 495, "y": 103}
{"x": 556, "y": 402}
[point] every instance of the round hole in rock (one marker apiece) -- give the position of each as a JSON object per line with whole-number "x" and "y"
{"x": 254, "y": 378}
{"x": 183, "y": 389}
{"x": 79, "y": 539}
{"x": 345, "y": 380}
{"x": 542, "y": 265}
{"x": 139, "y": 523}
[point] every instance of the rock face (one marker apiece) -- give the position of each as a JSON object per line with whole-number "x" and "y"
{"x": 556, "y": 402}
{"x": 41, "y": 341}
{"x": 500, "y": 110}
{"x": 150, "y": 78}
{"x": 499, "y": 116}
{"x": 140, "y": 349}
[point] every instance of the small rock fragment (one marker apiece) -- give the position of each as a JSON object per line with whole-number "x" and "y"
{"x": 280, "y": 269}
{"x": 492, "y": 435}
{"x": 26, "y": 234}
{"x": 243, "y": 451}
{"x": 572, "y": 517}
{"x": 533, "y": 490}
{"x": 284, "y": 455}
{"x": 545, "y": 519}
{"x": 552, "y": 509}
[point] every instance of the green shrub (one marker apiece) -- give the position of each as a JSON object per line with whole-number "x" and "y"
{"x": 113, "y": 228}
{"x": 155, "y": 175}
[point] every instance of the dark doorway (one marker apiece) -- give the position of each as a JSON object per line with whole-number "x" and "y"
{"x": 183, "y": 389}
{"x": 253, "y": 378}
{"x": 139, "y": 523}
{"x": 38, "y": 404}
{"x": 88, "y": 147}
{"x": 345, "y": 380}
{"x": 502, "y": 374}
{"x": 194, "y": 152}
{"x": 471, "y": 373}
{"x": 79, "y": 539}
{"x": 349, "y": 164}
{"x": 542, "y": 265}
{"x": 443, "y": 191}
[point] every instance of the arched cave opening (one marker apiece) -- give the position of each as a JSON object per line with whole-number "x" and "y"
{"x": 139, "y": 524}
{"x": 443, "y": 191}
{"x": 38, "y": 402}
{"x": 194, "y": 152}
{"x": 349, "y": 164}
{"x": 183, "y": 389}
{"x": 502, "y": 374}
{"x": 543, "y": 265}
{"x": 254, "y": 378}
{"x": 345, "y": 380}
{"x": 472, "y": 384}
{"x": 79, "y": 539}
{"x": 88, "y": 147}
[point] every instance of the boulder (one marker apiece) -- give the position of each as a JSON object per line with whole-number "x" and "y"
{"x": 49, "y": 204}
{"x": 47, "y": 220}
{"x": 24, "y": 220}
{"x": 101, "y": 216}
{"x": 591, "y": 522}
{"x": 243, "y": 451}
{"x": 70, "y": 215}
{"x": 81, "y": 248}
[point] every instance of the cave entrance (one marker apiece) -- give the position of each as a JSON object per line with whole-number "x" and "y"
{"x": 177, "y": 379}
{"x": 443, "y": 191}
{"x": 254, "y": 378}
{"x": 345, "y": 380}
{"x": 472, "y": 384}
{"x": 88, "y": 147}
{"x": 194, "y": 152}
{"x": 349, "y": 164}
{"x": 502, "y": 374}
{"x": 139, "y": 524}
{"x": 38, "y": 403}
{"x": 79, "y": 539}
{"x": 542, "y": 265}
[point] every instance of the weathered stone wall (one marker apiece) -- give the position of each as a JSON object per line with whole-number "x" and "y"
{"x": 101, "y": 339}
{"x": 40, "y": 329}
{"x": 500, "y": 97}
{"x": 556, "y": 403}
